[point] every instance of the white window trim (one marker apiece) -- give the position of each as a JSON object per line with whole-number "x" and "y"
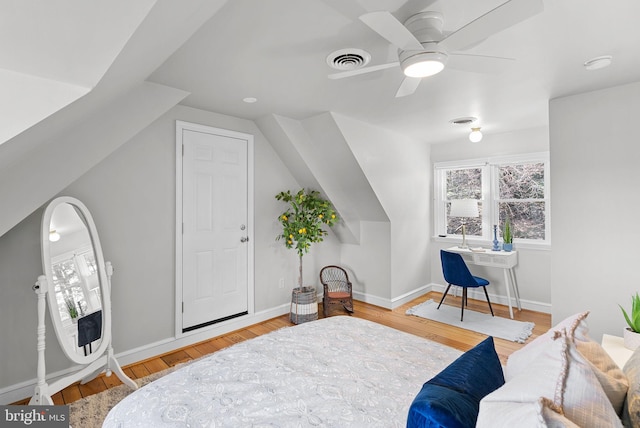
{"x": 489, "y": 167}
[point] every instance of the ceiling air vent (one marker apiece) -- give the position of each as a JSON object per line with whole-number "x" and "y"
{"x": 348, "y": 59}
{"x": 463, "y": 120}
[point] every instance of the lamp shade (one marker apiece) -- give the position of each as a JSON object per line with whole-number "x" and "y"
{"x": 464, "y": 208}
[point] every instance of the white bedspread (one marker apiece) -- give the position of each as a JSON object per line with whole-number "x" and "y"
{"x": 334, "y": 372}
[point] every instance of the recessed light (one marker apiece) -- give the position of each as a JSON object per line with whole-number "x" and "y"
{"x": 250, "y": 100}
{"x": 598, "y": 62}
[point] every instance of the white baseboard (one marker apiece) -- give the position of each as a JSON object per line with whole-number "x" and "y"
{"x": 478, "y": 294}
{"x": 25, "y": 389}
{"x": 407, "y": 297}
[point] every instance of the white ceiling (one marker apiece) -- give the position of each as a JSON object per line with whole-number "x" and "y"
{"x": 275, "y": 51}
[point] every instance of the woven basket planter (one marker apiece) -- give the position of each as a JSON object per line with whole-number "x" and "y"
{"x": 304, "y": 305}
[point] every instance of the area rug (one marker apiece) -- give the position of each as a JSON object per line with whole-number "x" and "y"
{"x": 90, "y": 412}
{"x": 504, "y": 328}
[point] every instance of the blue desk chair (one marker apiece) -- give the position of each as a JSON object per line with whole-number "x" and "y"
{"x": 456, "y": 272}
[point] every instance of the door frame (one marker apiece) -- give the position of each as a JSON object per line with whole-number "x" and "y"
{"x": 181, "y": 126}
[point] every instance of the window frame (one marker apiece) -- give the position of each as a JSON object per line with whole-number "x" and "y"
{"x": 490, "y": 197}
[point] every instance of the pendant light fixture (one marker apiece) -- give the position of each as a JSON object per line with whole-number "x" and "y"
{"x": 475, "y": 136}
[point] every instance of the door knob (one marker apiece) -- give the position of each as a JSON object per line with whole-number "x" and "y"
{"x": 244, "y": 239}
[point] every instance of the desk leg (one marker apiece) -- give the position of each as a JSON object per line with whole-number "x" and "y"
{"x": 516, "y": 291}
{"x": 507, "y": 286}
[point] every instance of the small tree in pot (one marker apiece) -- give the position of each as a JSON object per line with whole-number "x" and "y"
{"x": 303, "y": 222}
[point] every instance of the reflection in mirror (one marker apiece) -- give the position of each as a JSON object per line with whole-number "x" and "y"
{"x": 76, "y": 284}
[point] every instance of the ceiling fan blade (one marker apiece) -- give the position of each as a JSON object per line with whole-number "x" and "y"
{"x": 492, "y": 22}
{"x": 363, "y": 70}
{"x": 349, "y": 9}
{"x": 479, "y": 63}
{"x": 408, "y": 86}
{"x": 385, "y": 24}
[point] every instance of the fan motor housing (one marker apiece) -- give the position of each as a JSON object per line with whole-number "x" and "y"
{"x": 426, "y": 26}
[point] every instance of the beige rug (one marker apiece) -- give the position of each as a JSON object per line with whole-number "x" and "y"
{"x": 504, "y": 328}
{"x": 90, "y": 412}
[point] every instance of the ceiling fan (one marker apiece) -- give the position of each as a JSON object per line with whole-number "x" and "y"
{"x": 423, "y": 48}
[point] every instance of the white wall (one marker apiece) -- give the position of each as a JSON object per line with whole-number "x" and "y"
{"x": 131, "y": 195}
{"x": 398, "y": 169}
{"x": 594, "y": 164}
{"x": 534, "y": 264}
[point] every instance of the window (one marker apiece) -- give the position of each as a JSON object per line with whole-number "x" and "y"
{"x": 511, "y": 187}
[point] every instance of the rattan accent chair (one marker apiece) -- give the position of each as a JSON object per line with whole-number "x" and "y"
{"x": 337, "y": 288}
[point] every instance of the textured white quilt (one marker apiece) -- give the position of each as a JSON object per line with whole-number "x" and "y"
{"x": 333, "y": 372}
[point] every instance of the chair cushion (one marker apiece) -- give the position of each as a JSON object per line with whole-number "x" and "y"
{"x": 339, "y": 294}
{"x": 451, "y": 399}
{"x": 481, "y": 281}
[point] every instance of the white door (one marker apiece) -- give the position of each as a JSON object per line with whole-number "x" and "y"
{"x": 215, "y": 227}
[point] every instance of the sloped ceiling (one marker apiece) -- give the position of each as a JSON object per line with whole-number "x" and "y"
{"x": 55, "y": 52}
{"x": 43, "y": 159}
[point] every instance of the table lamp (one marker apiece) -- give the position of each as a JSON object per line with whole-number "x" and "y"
{"x": 464, "y": 208}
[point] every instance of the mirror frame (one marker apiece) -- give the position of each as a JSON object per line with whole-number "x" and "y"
{"x": 103, "y": 280}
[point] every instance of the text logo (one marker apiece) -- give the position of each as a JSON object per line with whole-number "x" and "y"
{"x": 34, "y": 416}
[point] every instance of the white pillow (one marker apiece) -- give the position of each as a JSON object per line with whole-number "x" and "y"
{"x": 520, "y": 360}
{"x": 539, "y": 414}
{"x": 560, "y": 375}
{"x": 611, "y": 378}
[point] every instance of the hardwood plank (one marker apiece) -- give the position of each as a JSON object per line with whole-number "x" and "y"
{"x": 159, "y": 364}
{"x": 138, "y": 371}
{"x": 71, "y": 393}
{"x": 57, "y": 398}
{"x": 93, "y": 387}
{"x": 111, "y": 381}
{"x": 177, "y": 357}
{"x": 194, "y": 353}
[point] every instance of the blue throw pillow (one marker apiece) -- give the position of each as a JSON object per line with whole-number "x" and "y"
{"x": 452, "y": 398}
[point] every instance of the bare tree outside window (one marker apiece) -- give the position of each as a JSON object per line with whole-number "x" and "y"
{"x": 464, "y": 184}
{"x": 521, "y": 199}
{"x": 513, "y": 187}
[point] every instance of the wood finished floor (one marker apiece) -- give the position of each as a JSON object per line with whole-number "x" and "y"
{"x": 442, "y": 333}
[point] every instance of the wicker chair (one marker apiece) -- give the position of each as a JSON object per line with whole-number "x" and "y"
{"x": 337, "y": 288}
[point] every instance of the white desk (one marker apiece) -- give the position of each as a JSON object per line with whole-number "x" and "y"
{"x": 505, "y": 260}
{"x": 614, "y": 346}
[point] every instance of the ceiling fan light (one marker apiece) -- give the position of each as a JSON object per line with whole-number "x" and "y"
{"x": 424, "y": 64}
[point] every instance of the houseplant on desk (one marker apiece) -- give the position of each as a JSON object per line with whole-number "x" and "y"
{"x": 632, "y": 333}
{"x": 302, "y": 225}
{"x": 507, "y": 236}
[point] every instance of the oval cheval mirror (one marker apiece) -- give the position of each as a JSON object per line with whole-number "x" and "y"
{"x": 76, "y": 283}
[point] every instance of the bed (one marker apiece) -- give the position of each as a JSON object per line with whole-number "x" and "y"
{"x": 333, "y": 372}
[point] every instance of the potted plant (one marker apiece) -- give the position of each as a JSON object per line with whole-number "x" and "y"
{"x": 71, "y": 308}
{"x": 632, "y": 333}
{"x": 507, "y": 237}
{"x": 302, "y": 225}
